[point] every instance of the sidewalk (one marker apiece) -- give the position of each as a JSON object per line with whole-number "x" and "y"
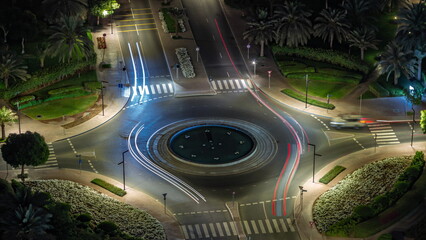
{"x": 314, "y": 190}
{"x": 133, "y": 197}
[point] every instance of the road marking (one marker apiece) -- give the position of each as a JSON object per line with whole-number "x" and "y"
{"x": 380, "y": 134}
{"x": 158, "y": 88}
{"x": 139, "y": 24}
{"x": 164, "y": 87}
{"x": 197, "y": 228}
{"x": 268, "y": 225}
{"x": 144, "y": 29}
{"x": 170, "y": 87}
{"x": 277, "y": 229}
{"x": 219, "y": 229}
{"x": 126, "y": 15}
{"x": 262, "y": 228}
{"x": 390, "y": 142}
{"x": 234, "y": 230}
{"x": 152, "y": 89}
{"x": 283, "y": 225}
{"x": 290, "y": 225}
{"x": 191, "y": 231}
{"x": 185, "y": 232}
{"x": 128, "y": 20}
{"x": 225, "y": 83}
{"x": 253, "y": 224}
{"x": 212, "y": 229}
{"x": 214, "y": 85}
{"x": 146, "y": 89}
{"x": 387, "y": 139}
{"x": 238, "y": 83}
{"x": 219, "y": 83}
{"x": 377, "y": 128}
{"x": 140, "y": 90}
{"x": 232, "y": 84}
{"x": 225, "y": 225}
{"x": 249, "y": 84}
{"x": 206, "y": 232}
{"x": 246, "y": 225}
{"x": 243, "y": 83}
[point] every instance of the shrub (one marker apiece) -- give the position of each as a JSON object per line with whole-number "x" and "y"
{"x": 400, "y": 188}
{"x": 22, "y": 99}
{"x": 84, "y": 217}
{"x": 364, "y": 212}
{"x": 423, "y": 120}
{"x": 300, "y": 97}
{"x": 418, "y": 159}
{"x": 324, "y": 55}
{"x": 107, "y": 227}
{"x": 330, "y": 175}
{"x": 410, "y": 174}
{"x": 65, "y": 90}
{"x": 378, "y": 90}
{"x": 386, "y": 236}
{"x": 380, "y": 203}
{"x": 108, "y": 186}
{"x": 92, "y": 86}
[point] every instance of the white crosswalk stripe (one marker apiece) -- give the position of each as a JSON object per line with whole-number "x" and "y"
{"x": 219, "y": 83}
{"x": 51, "y": 162}
{"x": 383, "y": 133}
{"x": 158, "y": 88}
{"x": 164, "y": 88}
{"x": 170, "y": 87}
{"x": 231, "y": 84}
{"x": 228, "y": 229}
{"x": 225, "y": 83}
{"x": 152, "y": 89}
{"x": 214, "y": 85}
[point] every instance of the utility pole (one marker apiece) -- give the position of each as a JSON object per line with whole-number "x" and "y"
{"x": 306, "y": 93}
{"x": 412, "y": 127}
{"x": 313, "y": 164}
{"x": 164, "y": 198}
{"x": 301, "y": 197}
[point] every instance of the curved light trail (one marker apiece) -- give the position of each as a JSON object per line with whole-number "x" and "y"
{"x": 143, "y": 72}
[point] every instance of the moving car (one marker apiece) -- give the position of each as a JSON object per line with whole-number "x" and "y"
{"x": 348, "y": 121}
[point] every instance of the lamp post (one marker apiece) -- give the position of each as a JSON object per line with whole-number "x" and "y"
{"x": 248, "y": 51}
{"x": 198, "y": 50}
{"x": 254, "y": 67}
{"x": 164, "y": 198}
{"x": 177, "y": 71}
{"x": 360, "y": 104}
{"x": 412, "y": 128}
{"x": 328, "y": 99}
{"x": 233, "y": 198}
{"x": 313, "y": 163}
{"x": 19, "y": 118}
{"x": 306, "y": 92}
{"x": 124, "y": 169}
{"x": 301, "y": 197}
{"x": 269, "y": 78}
{"x": 79, "y": 160}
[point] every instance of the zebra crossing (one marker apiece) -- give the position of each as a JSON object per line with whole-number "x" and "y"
{"x": 51, "y": 162}
{"x": 383, "y": 133}
{"x": 231, "y": 84}
{"x": 153, "y": 89}
{"x": 228, "y": 229}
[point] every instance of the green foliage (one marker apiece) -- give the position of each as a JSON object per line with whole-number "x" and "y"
{"x": 324, "y": 77}
{"x": 98, "y": 7}
{"x": 386, "y": 236}
{"x": 56, "y": 97}
{"x": 330, "y": 175}
{"x": 170, "y": 21}
{"x": 380, "y": 203}
{"x": 287, "y": 67}
{"x": 92, "y": 86}
{"x": 378, "y": 90}
{"x": 423, "y": 120}
{"x": 84, "y": 217}
{"x": 47, "y": 76}
{"x": 22, "y": 99}
{"x": 364, "y": 212}
{"x": 418, "y": 159}
{"x": 108, "y": 186}
{"x": 65, "y": 90}
{"x": 340, "y": 73}
{"x": 300, "y": 97}
{"x": 343, "y": 228}
{"x": 410, "y": 174}
{"x": 323, "y": 55}
{"x": 107, "y": 227}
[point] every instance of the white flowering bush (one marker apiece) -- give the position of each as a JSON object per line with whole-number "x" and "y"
{"x": 357, "y": 188}
{"x": 181, "y": 25}
{"x": 101, "y": 207}
{"x": 163, "y": 22}
{"x": 185, "y": 63}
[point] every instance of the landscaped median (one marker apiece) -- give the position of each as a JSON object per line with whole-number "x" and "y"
{"x": 372, "y": 197}
{"x": 311, "y": 101}
{"x": 185, "y": 63}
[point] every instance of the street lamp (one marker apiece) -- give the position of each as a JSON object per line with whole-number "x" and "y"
{"x": 313, "y": 163}
{"x": 248, "y": 51}
{"x": 254, "y": 67}
{"x": 414, "y": 115}
{"x": 360, "y": 104}
{"x": 306, "y": 93}
{"x": 233, "y": 198}
{"x": 198, "y": 50}
{"x": 124, "y": 169}
{"x": 301, "y": 197}
{"x": 164, "y": 198}
{"x": 328, "y": 100}
{"x": 269, "y": 78}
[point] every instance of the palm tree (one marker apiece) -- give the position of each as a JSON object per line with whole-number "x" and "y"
{"x": 7, "y": 116}
{"x": 11, "y": 67}
{"x": 397, "y": 61}
{"x": 69, "y": 40}
{"x": 330, "y": 25}
{"x": 419, "y": 54}
{"x": 362, "y": 38}
{"x": 259, "y": 33}
{"x": 358, "y": 13}
{"x": 177, "y": 14}
{"x": 293, "y": 25}
{"x": 411, "y": 31}
{"x": 57, "y": 9}
{"x": 391, "y": 4}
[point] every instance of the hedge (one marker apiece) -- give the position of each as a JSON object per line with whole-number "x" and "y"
{"x": 46, "y": 77}
{"x": 378, "y": 90}
{"x": 324, "y": 55}
{"x": 55, "y": 97}
{"x": 330, "y": 175}
{"x": 92, "y": 86}
{"x": 423, "y": 120}
{"x": 340, "y": 73}
{"x": 108, "y": 186}
{"x": 22, "y": 99}
{"x": 65, "y": 90}
{"x": 314, "y": 102}
{"x": 324, "y": 77}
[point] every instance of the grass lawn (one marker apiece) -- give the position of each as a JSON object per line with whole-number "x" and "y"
{"x": 89, "y": 76}
{"x": 62, "y": 107}
{"x": 322, "y": 88}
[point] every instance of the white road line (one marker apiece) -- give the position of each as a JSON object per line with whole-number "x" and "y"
{"x": 262, "y": 228}
{"x": 206, "y": 231}
{"x": 377, "y": 128}
{"x": 152, "y": 89}
{"x": 220, "y": 54}
{"x": 238, "y": 83}
{"x": 225, "y": 226}
{"x": 277, "y": 229}
{"x": 283, "y": 225}
{"x": 243, "y": 83}
{"x": 212, "y": 230}
{"x": 249, "y": 84}
{"x": 253, "y": 224}
{"x": 381, "y": 131}
{"x": 164, "y": 87}
{"x": 388, "y": 136}
{"x": 191, "y": 231}
{"x": 145, "y": 88}
{"x": 378, "y": 124}
{"x": 268, "y": 225}
{"x": 246, "y": 225}
{"x": 232, "y": 84}
{"x": 197, "y": 228}
{"x": 185, "y": 232}
{"x": 390, "y": 142}
{"x": 381, "y": 134}
{"x": 225, "y": 83}
{"x": 234, "y": 230}
{"x": 214, "y": 85}
{"x": 140, "y": 90}
{"x": 227, "y": 73}
{"x": 219, "y": 229}
{"x": 386, "y": 140}
{"x": 158, "y": 88}
{"x": 170, "y": 87}
{"x": 290, "y": 225}
{"x": 219, "y": 83}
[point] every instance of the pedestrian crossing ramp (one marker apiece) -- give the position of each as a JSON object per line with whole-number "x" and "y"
{"x": 51, "y": 162}
{"x": 383, "y": 134}
{"x": 228, "y": 229}
{"x": 231, "y": 85}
